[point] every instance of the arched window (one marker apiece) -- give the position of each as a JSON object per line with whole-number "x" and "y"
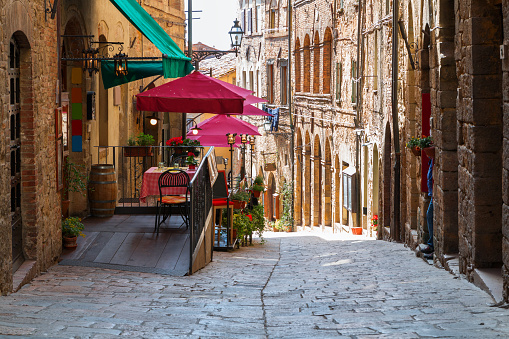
{"x": 316, "y": 64}
{"x": 326, "y": 71}
{"x": 307, "y": 65}
{"x": 297, "y": 65}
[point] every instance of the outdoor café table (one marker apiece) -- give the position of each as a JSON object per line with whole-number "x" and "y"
{"x": 150, "y": 184}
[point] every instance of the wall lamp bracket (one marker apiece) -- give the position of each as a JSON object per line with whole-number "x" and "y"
{"x": 52, "y": 9}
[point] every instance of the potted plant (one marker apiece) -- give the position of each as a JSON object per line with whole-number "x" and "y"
{"x": 241, "y": 225}
{"x": 143, "y": 141}
{"x": 426, "y": 144}
{"x": 257, "y": 187}
{"x": 239, "y": 199}
{"x": 414, "y": 145}
{"x": 176, "y": 142}
{"x": 191, "y": 161}
{"x": 193, "y": 146}
{"x": 258, "y": 224}
{"x": 72, "y": 227}
{"x": 76, "y": 180}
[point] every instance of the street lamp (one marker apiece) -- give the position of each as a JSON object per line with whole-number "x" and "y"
{"x": 236, "y": 33}
{"x": 195, "y": 130}
{"x": 231, "y": 142}
{"x": 153, "y": 119}
{"x": 120, "y": 63}
{"x": 243, "y": 140}
{"x": 252, "y": 144}
{"x": 266, "y": 125}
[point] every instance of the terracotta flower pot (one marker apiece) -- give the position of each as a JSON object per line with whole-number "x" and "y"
{"x": 430, "y": 152}
{"x": 70, "y": 242}
{"x": 356, "y": 230}
{"x": 138, "y": 151}
{"x": 256, "y": 194}
{"x": 237, "y": 204}
{"x": 416, "y": 151}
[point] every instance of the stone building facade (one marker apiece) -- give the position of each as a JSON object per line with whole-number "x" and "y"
{"x": 40, "y": 88}
{"x": 30, "y": 236}
{"x": 450, "y": 66}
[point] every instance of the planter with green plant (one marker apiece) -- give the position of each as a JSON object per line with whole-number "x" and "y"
{"x": 191, "y": 161}
{"x": 286, "y": 220}
{"x": 239, "y": 199}
{"x": 75, "y": 180}
{"x": 257, "y": 187}
{"x": 426, "y": 144}
{"x": 241, "y": 226}
{"x": 72, "y": 227}
{"x": 414, "y": 145}
{"x": 138, "y": 146}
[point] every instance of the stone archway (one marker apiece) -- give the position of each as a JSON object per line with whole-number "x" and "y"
{"x": 387, "y": 182}
{"x": 337, "y": 190}
{"x": 327, "y": 187}
{"x": 306, "y": 190}
{"x": 298, "y": 180}
{"x": 317, "y": 182}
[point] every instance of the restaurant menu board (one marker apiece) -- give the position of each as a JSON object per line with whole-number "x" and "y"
{"x": 212, "y": 167}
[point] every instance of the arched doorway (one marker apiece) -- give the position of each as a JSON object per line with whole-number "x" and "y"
{"x": 271, "y": 189}
{"x": 317, "y": 182}
{"x": 298, "y": 180}
{"x": 327, "y": 190}
{"x": 337, "y": 190}
{"x": 387, "y": 177}
{"x": 376, "y": 182}
{"x": 14, "y": 149}
{"x": 307, "y": 181}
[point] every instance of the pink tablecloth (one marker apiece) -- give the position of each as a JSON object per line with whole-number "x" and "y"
{"x": 150, "y": 184}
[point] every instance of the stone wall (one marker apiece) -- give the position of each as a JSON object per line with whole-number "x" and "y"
{"x": 40, "y": 202}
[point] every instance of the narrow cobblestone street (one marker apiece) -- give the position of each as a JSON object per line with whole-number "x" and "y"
{"x": 296, "y": 285}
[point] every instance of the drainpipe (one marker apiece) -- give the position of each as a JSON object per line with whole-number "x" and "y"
{"x": 289, "y": 101}
{"x": 395, "y": 225}
{"x": 358, "y": 118}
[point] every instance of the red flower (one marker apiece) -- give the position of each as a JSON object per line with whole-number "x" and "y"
{"x": 191, "y": 154}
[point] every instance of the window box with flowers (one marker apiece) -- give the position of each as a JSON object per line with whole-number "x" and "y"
{"x": 426, "y": 144}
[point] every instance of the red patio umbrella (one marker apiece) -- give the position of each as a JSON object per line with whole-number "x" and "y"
{"x": 195, "y": 93}
{"x": 220, "y": 125}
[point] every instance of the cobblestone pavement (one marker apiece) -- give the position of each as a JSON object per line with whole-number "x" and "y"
{"x": 296, "y": 285}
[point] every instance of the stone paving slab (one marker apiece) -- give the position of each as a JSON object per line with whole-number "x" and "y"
{"x": 296, "y": 285}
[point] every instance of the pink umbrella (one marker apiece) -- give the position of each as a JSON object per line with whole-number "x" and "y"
{"x": 214, "y": 140}
{"x": 195, "y": 93}
{"x": 220, "y": 125}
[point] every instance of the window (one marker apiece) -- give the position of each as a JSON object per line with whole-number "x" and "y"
{"x": 251, "y": 81}
{"x": 270, "y": 83}
{"x": 244, "y": 79}
{"x": 272, "y": 19}
{"x": 375, "y": 78}
{"x": 249, "y": 21}
{"x": 284, "y": 83}
{"x": 297, "y": 65}
{"x": 354, "y": 81}
{"x": 349, "y": 191}
{"x": 339, "y": 76}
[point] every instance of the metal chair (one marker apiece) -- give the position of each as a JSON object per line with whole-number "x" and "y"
{"x": 174, "y": 191}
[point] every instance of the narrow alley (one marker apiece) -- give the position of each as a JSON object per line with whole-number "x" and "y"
{"x": 295, "y": 285}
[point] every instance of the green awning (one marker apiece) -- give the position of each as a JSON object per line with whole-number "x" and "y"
{"x": 174, "y": 65}
{"x": 137, "y": 70}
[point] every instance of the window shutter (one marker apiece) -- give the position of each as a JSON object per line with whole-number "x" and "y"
{"x": 277, "y": 205}
{"x": 243, "y": 20}
{"x": 249, "y": 21}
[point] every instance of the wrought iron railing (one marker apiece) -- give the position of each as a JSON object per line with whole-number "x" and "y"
{"x": 131, "y": 162}
{"x": 201, "y": 208}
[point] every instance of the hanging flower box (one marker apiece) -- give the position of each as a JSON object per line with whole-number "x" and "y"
{"x": 430, "y": 152}
{"x": 416, "y": 151}
{"x": 138, "y": 151}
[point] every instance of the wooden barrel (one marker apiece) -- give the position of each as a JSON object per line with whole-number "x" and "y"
{"x": 102, "y": 190}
